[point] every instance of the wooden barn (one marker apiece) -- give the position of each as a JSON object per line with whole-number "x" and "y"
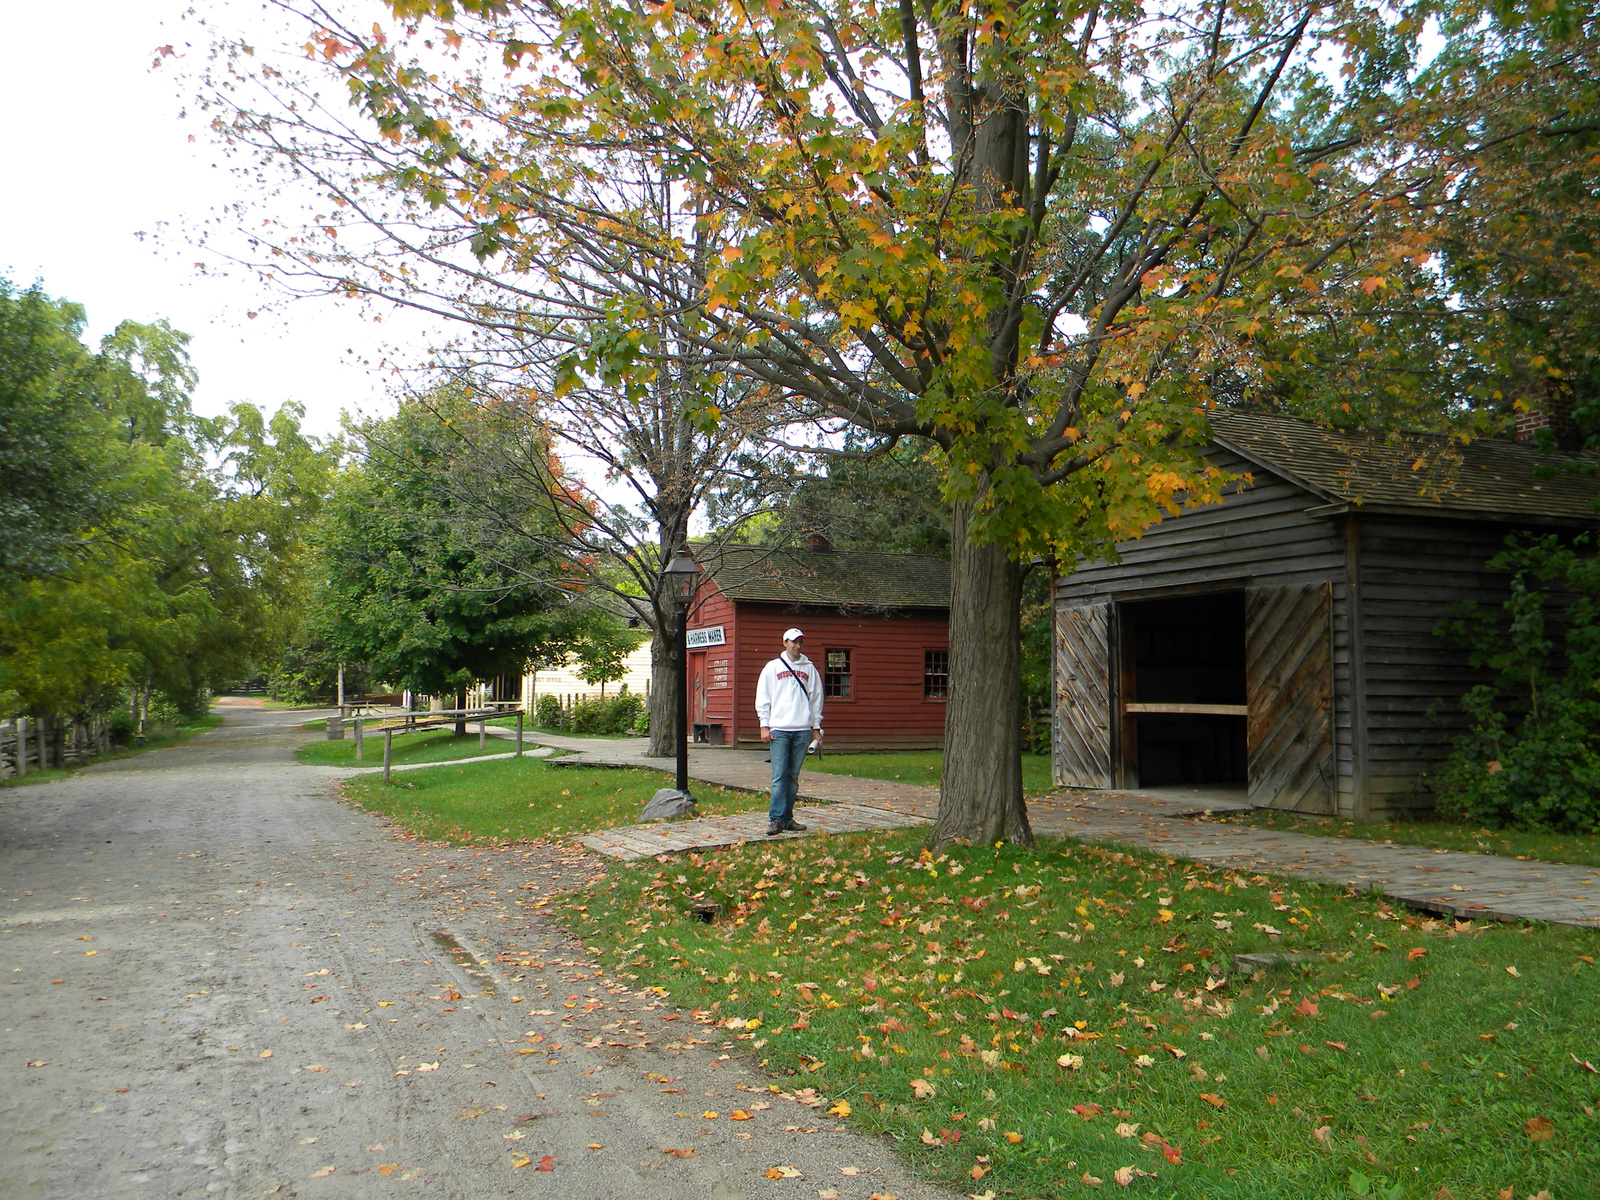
{"x": 1281, "y": 644}
{"x": 875, "y": 624}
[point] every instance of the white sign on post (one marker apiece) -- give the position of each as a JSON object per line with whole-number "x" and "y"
{"x": 699, "y": 639}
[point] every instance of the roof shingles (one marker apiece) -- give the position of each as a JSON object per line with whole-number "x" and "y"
{"x": 1415, "y": 470}
{"x": 827, "y": 578}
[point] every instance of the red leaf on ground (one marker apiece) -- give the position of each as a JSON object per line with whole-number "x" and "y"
{"x": 547, "y": 1163}
{"x": 1306, "y": 1008}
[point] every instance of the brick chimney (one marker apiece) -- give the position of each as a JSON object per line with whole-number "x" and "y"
{"x": 1553, "y": 412}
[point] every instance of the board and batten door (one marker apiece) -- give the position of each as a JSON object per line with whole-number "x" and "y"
{"x": 1082, "y": 742}
{"x": 1289, "y": 678}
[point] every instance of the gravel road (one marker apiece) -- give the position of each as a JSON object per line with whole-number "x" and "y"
{"x": 221, "y": 980}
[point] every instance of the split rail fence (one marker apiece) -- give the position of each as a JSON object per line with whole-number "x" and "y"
{"x": 412, "y": 722}
{"x": 38, "y": 743}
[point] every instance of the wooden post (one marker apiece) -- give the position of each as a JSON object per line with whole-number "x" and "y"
{"x": 22, "y": 745}
{"x": 388, "y": 740}
{"x": 358, "y": 739}
{"x": 483, "y": 730}
{"x": 519, "y": 733}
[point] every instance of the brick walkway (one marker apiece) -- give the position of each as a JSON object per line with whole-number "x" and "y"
{"x": 1447, "y": 882}
{"x": 1480, "y": 886}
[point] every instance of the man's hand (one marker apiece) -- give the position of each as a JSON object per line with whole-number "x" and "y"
{"x": 816, "y": 736}
{"x": 766, "y": 734}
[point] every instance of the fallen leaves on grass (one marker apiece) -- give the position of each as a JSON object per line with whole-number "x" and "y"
{"x": 1539, "y": 1129}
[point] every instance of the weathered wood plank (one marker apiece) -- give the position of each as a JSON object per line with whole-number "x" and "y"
{"x": 1290, "y": 681}
{"x": 1082, "y": 741}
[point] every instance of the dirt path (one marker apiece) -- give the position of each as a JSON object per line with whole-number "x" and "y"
{"x": 219, "y": 981}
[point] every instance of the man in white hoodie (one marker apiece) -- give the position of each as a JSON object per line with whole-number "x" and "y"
{"x": 789, "y": 705}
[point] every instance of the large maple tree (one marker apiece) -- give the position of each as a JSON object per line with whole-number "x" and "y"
{"x": 1044, "y": 236}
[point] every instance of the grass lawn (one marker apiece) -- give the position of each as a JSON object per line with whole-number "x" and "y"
{"x": 182, "y": 733}
{"x": 428, "y": 745}
{"x": 1583, "y": 850}
{"x": 513, "y": 800}
{"x": 920, "y": 766}
{"x": 1036, "y": 1022}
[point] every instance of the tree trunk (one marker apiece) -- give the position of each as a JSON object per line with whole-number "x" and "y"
{"x": 461, "y": 722}
{"x": 663, "y": 694}
{"x": 980, "y": 799}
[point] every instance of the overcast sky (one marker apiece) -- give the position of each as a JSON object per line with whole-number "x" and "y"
{"x": 96, "y": 154}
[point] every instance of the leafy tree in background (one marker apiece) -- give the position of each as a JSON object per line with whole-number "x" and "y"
{"x": 153, "y": 552}
{"x": 52, "y": 473}
{"x": 403, "y": 584}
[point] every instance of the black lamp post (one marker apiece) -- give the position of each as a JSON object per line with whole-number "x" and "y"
{"x": 680, "y": 578}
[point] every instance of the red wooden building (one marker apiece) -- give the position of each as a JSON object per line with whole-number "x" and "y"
{"x": 876, "y": 625}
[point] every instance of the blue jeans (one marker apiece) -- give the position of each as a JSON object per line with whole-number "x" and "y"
{"x": 788, "y": 756}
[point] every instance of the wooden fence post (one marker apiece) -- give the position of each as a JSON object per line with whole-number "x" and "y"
{"x": 519, "y": 733}
{"x": 358, "y": 739}
{"x": 483, "y": 730}
{"x": 22, "y": 745}
{"x": 388, "y": 741}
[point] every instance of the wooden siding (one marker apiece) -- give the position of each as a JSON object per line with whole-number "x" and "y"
{"x": 886, "y": 708}
{"x": 1259, "y": 536}
{"x": 713, "y": 608}
{"x": 1081, "y": 748}
{"x": 1289, "y": 678}
{"x": 1413, "y": 574}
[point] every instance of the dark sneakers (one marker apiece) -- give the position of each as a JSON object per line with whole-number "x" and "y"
{"x": 794, "y": 826}
{"x": 774, "y": 828}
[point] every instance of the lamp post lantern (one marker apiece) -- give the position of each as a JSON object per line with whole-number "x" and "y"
{"x": 680, "y": 577}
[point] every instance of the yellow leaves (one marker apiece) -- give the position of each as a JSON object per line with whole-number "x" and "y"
{"x": 709, "y": 1114}
{"x": 518, "y": 1161}
{"x": 265, "y": 1054}
{"x": 1070, "y": 1062}
{"x": 1126, "y": 1130}
{"x": 323, "y": 1173}
{"x": 738, "y": 1114}
{"x": 922, "y": 1089}
{"x": 1013, "y": 1137}
{"x": 785, "y": 1172}
{"x": 840, "y": 1108}
{"x": 1165, "y": 915}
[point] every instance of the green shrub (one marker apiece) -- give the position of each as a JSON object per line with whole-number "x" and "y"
{"x": 547, "y": 712}
{"x": 616, "y": 714}
{"x": 1531, "y": 759}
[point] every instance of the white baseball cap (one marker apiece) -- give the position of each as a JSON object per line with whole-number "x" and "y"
{"x": 791, "y": 635}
